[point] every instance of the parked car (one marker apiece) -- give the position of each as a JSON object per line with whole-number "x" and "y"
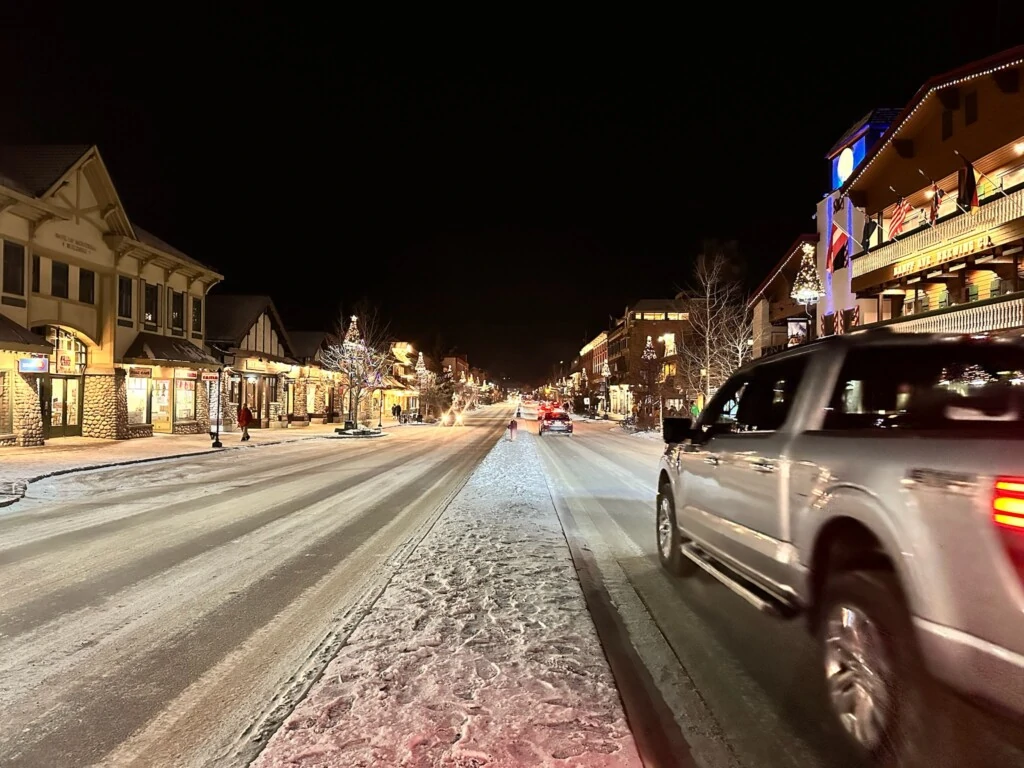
{"x": 555, "y": 422}
{"x": 872, "y": 483}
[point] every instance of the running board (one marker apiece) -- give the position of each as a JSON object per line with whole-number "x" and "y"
{"x": 762, "y": 601}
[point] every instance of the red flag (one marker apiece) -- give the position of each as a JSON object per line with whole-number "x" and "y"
{"x": 967, "y": 187}
{"x": 933, "y": 209}
{"x": 836, "y": 250}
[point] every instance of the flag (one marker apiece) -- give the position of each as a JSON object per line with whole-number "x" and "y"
{"x": 837, "y": 250}
{"x": 933, "y": 209}
{"x": 870, "y": 225}
{"x": 967, "y": 186}
{"x": 899, "y": 217}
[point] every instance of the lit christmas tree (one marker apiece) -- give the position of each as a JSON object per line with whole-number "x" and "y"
{"x": 649, "y": 351}
{"x": 807, "y": 287}
{"x": 352, "y": 335}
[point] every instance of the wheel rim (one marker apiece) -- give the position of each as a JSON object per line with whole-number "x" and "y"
{"x": 859, "y": 675}
{"x": 664, "y": 528}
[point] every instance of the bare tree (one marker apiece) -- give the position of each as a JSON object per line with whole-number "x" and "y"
{"x": 720, "y": 324}
{"x": 360, "y": 350}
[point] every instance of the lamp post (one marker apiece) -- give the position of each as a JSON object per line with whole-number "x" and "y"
{"x": 807, "y": 286}
{"x": 606, "y": 374}
{"x": 220, "y": 399}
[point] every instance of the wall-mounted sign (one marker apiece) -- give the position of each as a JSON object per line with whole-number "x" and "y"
{"x": 182, "y": 373}
{"x": 846, "y": 162}
{"x": 140, "y": 373}
{"x": 941, "y": 256}
{"x": 210, "y": 376}
{"x": 74, "y": 244}
{"x": 254, "y": 365}
{"x": 34, "y": 365}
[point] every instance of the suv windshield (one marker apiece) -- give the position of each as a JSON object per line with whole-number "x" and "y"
{"x": 555, "y": 417}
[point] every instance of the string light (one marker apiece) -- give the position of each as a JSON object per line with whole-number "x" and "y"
{"x": 782, "y": 266}
{"x": 894, "y": 131}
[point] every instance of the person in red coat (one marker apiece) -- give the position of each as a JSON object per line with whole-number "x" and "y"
{"x": 244, "y": 420}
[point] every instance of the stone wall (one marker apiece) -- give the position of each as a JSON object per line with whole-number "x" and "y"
{"x": 203, "y": 405}
{"x": 140, "y": 430}
{"x": 186, "y": 428}
{"x": 105, "y": 406}
{"x": 7, "y": 402}
{"x": 28, "y": 416}
{"x": 299, "y": 397}
{"x": 229, "y": 413}
{"x": 320, "y": 398}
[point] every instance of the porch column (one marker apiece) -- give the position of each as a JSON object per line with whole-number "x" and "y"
{"x": 28, "y": 416}
{"x": 320, "y": 397}
{"x": 299, "y": 411}
{"x": 105, "y": 405}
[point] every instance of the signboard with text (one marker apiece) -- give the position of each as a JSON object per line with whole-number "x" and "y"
{"x": 140, "y": 373}
{"x": 34, "y": 365}
{"x": 182, "y": 373}
{"x": 210, "y": 376}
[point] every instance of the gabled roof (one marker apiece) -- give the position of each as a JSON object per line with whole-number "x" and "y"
{"x": 791, "y": 253}
{"x": 33, "y": 169}
{"x": 229, "y": 318}
{"x": 148, "y": 238}
{"x": 305, "y": 344}
{"x": 880, "y": 118}
{"x": 1000, "y": 61}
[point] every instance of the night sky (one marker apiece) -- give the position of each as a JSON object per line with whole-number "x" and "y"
{"x": 508, "y": 194}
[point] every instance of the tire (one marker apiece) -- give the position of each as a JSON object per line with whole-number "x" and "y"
{"x": 671, "y": 558}
{"x": 896, "y": 680}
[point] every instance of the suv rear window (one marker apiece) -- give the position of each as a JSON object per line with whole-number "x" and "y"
{"x": 941, "y": 386}
{"x": 556, "y": 417}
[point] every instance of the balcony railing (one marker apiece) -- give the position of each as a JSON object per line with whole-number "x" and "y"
{"x": 946, "y": 298}
{"x": 995, "y": 314}
{"x": 1002, "y": 209}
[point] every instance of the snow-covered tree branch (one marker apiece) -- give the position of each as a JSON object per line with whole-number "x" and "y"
{"x": 720, "y": 323}
{"x": 360, "y": 350}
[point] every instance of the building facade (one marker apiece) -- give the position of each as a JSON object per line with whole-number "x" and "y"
{"x": 778, "y": 320}
{"x": 119, "y": 312}
{"x": 944, "y": 251}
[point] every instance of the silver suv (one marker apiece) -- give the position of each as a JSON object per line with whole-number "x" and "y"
{"x": 873, "y": 483}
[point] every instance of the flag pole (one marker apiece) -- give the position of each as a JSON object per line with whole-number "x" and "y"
{"x": 984, "y": 175}
{"x": 854, "y": 239}
{"x": 932, "y": 182}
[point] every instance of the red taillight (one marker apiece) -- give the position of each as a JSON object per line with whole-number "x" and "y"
{"x": 1008, "y": 515}
{"x": 1008, "y": 503}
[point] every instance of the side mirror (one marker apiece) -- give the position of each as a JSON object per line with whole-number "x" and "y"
{"x": 676, "y": 430}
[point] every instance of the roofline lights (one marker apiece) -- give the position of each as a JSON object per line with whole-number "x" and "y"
{"x": 893, "y": 133}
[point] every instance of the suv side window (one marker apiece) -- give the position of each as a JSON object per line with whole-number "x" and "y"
{"x": 759, "y": 402}
{"x": 957, "y": 386}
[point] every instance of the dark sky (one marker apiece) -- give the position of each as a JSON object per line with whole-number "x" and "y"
{"x": 508, "y": 194}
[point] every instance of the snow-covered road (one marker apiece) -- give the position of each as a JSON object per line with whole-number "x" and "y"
{"x": 172, "y": 613}
{"x": 743, "y": 687}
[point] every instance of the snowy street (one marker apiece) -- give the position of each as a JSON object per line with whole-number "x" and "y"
{"x": 744, "y": 688}
{"x": 172, "y": 614}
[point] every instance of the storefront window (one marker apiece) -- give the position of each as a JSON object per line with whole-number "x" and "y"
{"x": 184, "y": 400}
{"x": 138, "y": 401}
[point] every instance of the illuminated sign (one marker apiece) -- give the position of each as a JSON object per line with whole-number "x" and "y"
{"x": 941, "y": 256}
{"x": 210, "y": 376}
{"x": 846, "y": 162}
{"x": 140, "y": 373}
{"x": 34, "y": 365}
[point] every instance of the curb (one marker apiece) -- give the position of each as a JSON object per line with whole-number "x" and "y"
{"x": 355, "y": 437}
{"x": 148, "y": 460}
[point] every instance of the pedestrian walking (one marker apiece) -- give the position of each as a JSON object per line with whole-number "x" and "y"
{"x": 512, "y": 427}
{"x": 244, "y": 420}
{"x": 398, "y": 411}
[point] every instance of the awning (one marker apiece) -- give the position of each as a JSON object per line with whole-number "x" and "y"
{"x": 14, "y": 338}
{"x": 154, "y": 349}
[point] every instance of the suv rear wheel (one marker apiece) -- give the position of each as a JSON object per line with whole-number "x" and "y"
{"x": 668, "y": 538}
{"x": 874, "y": 681}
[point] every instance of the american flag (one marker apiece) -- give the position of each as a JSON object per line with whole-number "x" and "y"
{"x": 899, "y": 217}
{"x": 933, "y": 209}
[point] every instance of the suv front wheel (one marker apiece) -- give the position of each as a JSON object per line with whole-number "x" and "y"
{"x": 668, "y": 539}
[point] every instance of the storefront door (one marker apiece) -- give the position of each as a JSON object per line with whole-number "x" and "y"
{"x": 160, "y": 405}
{"x": 60, "y": 399}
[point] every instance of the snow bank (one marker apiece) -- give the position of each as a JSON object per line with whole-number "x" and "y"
{"x": 646, "y": 434}
{"x": 480, "y": 653}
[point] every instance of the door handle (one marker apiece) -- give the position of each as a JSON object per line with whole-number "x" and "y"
{"x": 763, "y": 466}
{"x": 712, "y": 460}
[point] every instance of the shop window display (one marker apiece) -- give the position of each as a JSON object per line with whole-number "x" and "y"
{"x": 138, "y": 401}
{"x": 184, "y": 400}
{"x": 160, "y": 405}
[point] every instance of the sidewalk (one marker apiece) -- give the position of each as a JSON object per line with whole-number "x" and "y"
{"x": 19, "y": 466}
{"x": 480, "y": 652}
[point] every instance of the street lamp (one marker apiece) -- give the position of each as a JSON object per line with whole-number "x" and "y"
{"x": 220, "y": 399}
